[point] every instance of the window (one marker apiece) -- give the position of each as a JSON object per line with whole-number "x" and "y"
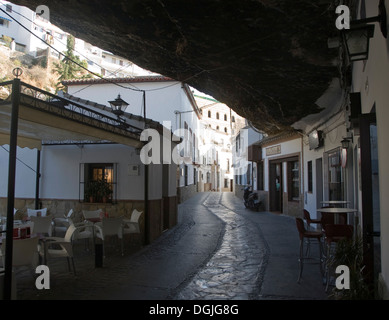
{"x": 232, "y": 119}
{"x": 225, "y": 117}
{"x": 217, "y": 115}
{"x": 225, "y": 129}
{"x": 4, "y": 23}
{"x": 8, "y": 8}
{"x": 260, "y": 176}
{"x": 186, "y": 175}
{"x": 335, "y": 176}
{"x": 209, "y": 114}
{"x": 310, "y": 183}
{"x": 20, "y": 47}
{"x": 293, "y": 180}
{"x": 217, "y": 128}
{"x": 99, "y": 182}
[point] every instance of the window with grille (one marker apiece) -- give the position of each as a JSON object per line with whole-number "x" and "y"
{"x": 98, "y": 182}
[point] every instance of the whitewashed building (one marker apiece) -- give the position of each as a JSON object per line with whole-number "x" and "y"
{"x": 164, "y": 100}
{"x": 218, "y": 124}
{"x": 40, "y": 38}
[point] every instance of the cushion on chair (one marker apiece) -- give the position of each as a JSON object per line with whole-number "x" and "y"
{"x": 37, "y": 213}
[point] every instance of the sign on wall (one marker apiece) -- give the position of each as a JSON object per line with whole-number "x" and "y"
{"x": 270, "y": 151}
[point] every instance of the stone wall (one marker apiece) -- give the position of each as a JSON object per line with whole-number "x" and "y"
{"x": 184, "y": 193}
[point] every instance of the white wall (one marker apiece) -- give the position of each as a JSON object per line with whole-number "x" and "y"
{"x": 20, "y": 35}
{"x": 161, "y": 102}
{"x": 373, "y": 83}
{"x": 60, "y": 179}
{"x": 334, "y": 131}
{"x": 25, "y": 172}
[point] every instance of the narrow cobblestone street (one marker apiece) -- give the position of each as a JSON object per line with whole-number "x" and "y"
{"x": 233, "y": 271}
{"x": 218, "y": 251}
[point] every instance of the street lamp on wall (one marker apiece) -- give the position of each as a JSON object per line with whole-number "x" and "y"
{"x": 118, "y": 105}
{"x": 357, "y": 37}
{"x": 345, "y": 143}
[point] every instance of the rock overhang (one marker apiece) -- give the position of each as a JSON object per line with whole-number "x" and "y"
{"x": 266, "y": 59}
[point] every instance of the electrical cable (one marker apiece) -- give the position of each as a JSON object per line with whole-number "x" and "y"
{"x": 62, "y": 54}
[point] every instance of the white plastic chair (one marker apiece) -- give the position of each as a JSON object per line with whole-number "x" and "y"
{"x": 83, "y": 231}
{"x": 61, "y": 224}
{"x": 110, "y": 227}
{"x": 42, "y": 225}
{"x": 56, "y": 247}
{"x": 95, "y": 214}
{"x": 24, "y": 252}
{"x": 37, "y": 213}
{"x": 132, "y": 225}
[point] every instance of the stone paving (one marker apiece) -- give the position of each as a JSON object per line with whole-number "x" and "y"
{"x": 218, "y": 251}
{"x": 233, "y": 271}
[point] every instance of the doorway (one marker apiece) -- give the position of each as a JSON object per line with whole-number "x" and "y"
{"x": 275, "y": 186}
{"x": 319, "y": 182}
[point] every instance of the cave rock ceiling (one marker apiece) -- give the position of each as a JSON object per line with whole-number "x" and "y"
{"x": 266, "y": 59}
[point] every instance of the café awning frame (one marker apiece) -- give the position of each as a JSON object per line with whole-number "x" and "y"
{"x": 44, "y": 117}
{"x": 28, "y": 116}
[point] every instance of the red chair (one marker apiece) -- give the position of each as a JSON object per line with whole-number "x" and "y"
{"x": 305, "y": 234}
{"x": 333, "y": 234}
{"x": 309, "y": 220}
{"x": 307, "y": 217}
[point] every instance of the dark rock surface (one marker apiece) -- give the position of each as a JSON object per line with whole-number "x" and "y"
{"x": 266, "y": 59}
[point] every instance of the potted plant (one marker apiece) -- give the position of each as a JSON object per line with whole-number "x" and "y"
{"x": 91, "y": 191}
{"x": 104, "y": 190}
{"x": 350, "y": 254}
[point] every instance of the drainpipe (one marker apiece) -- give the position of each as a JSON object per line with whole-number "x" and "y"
{"x": 38, "y": 175}
{"x": 11, "y": 188}
{"x": 146, "y": 183}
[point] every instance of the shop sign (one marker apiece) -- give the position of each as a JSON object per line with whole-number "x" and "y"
{"x": 270, "y": 151}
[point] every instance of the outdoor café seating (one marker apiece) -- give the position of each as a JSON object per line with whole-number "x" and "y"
{"x": 61, "y": 224}
{"x": 42, "y": 225}
{"x": 305, "y": 234}
{"x": 56, "y": 247}
{"x": 332, "y": 235}
{"x": 36, "y": 212}
{"x": 110, "y": 227}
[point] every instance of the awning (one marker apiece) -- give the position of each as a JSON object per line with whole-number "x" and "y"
{"x": 61, "y": 120}
{"x": 4, "y": 18}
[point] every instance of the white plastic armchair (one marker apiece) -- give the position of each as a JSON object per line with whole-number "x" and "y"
{"x": 132, "y": 225}
{"x": 24, "y": 252}
{"x": 95, "y": 214}
{"x": 110, "y": 227}
{"x": 56, "y": 247}
{"x": 37, "y": 213}
{"x": 42, "y": 225}
{"x": 83, "y": 231}
{"x": 61, "y": 224}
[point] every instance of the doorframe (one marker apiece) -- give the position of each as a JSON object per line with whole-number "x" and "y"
{"x": 365, "y": 120}
{"x": 273, "y": 199}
